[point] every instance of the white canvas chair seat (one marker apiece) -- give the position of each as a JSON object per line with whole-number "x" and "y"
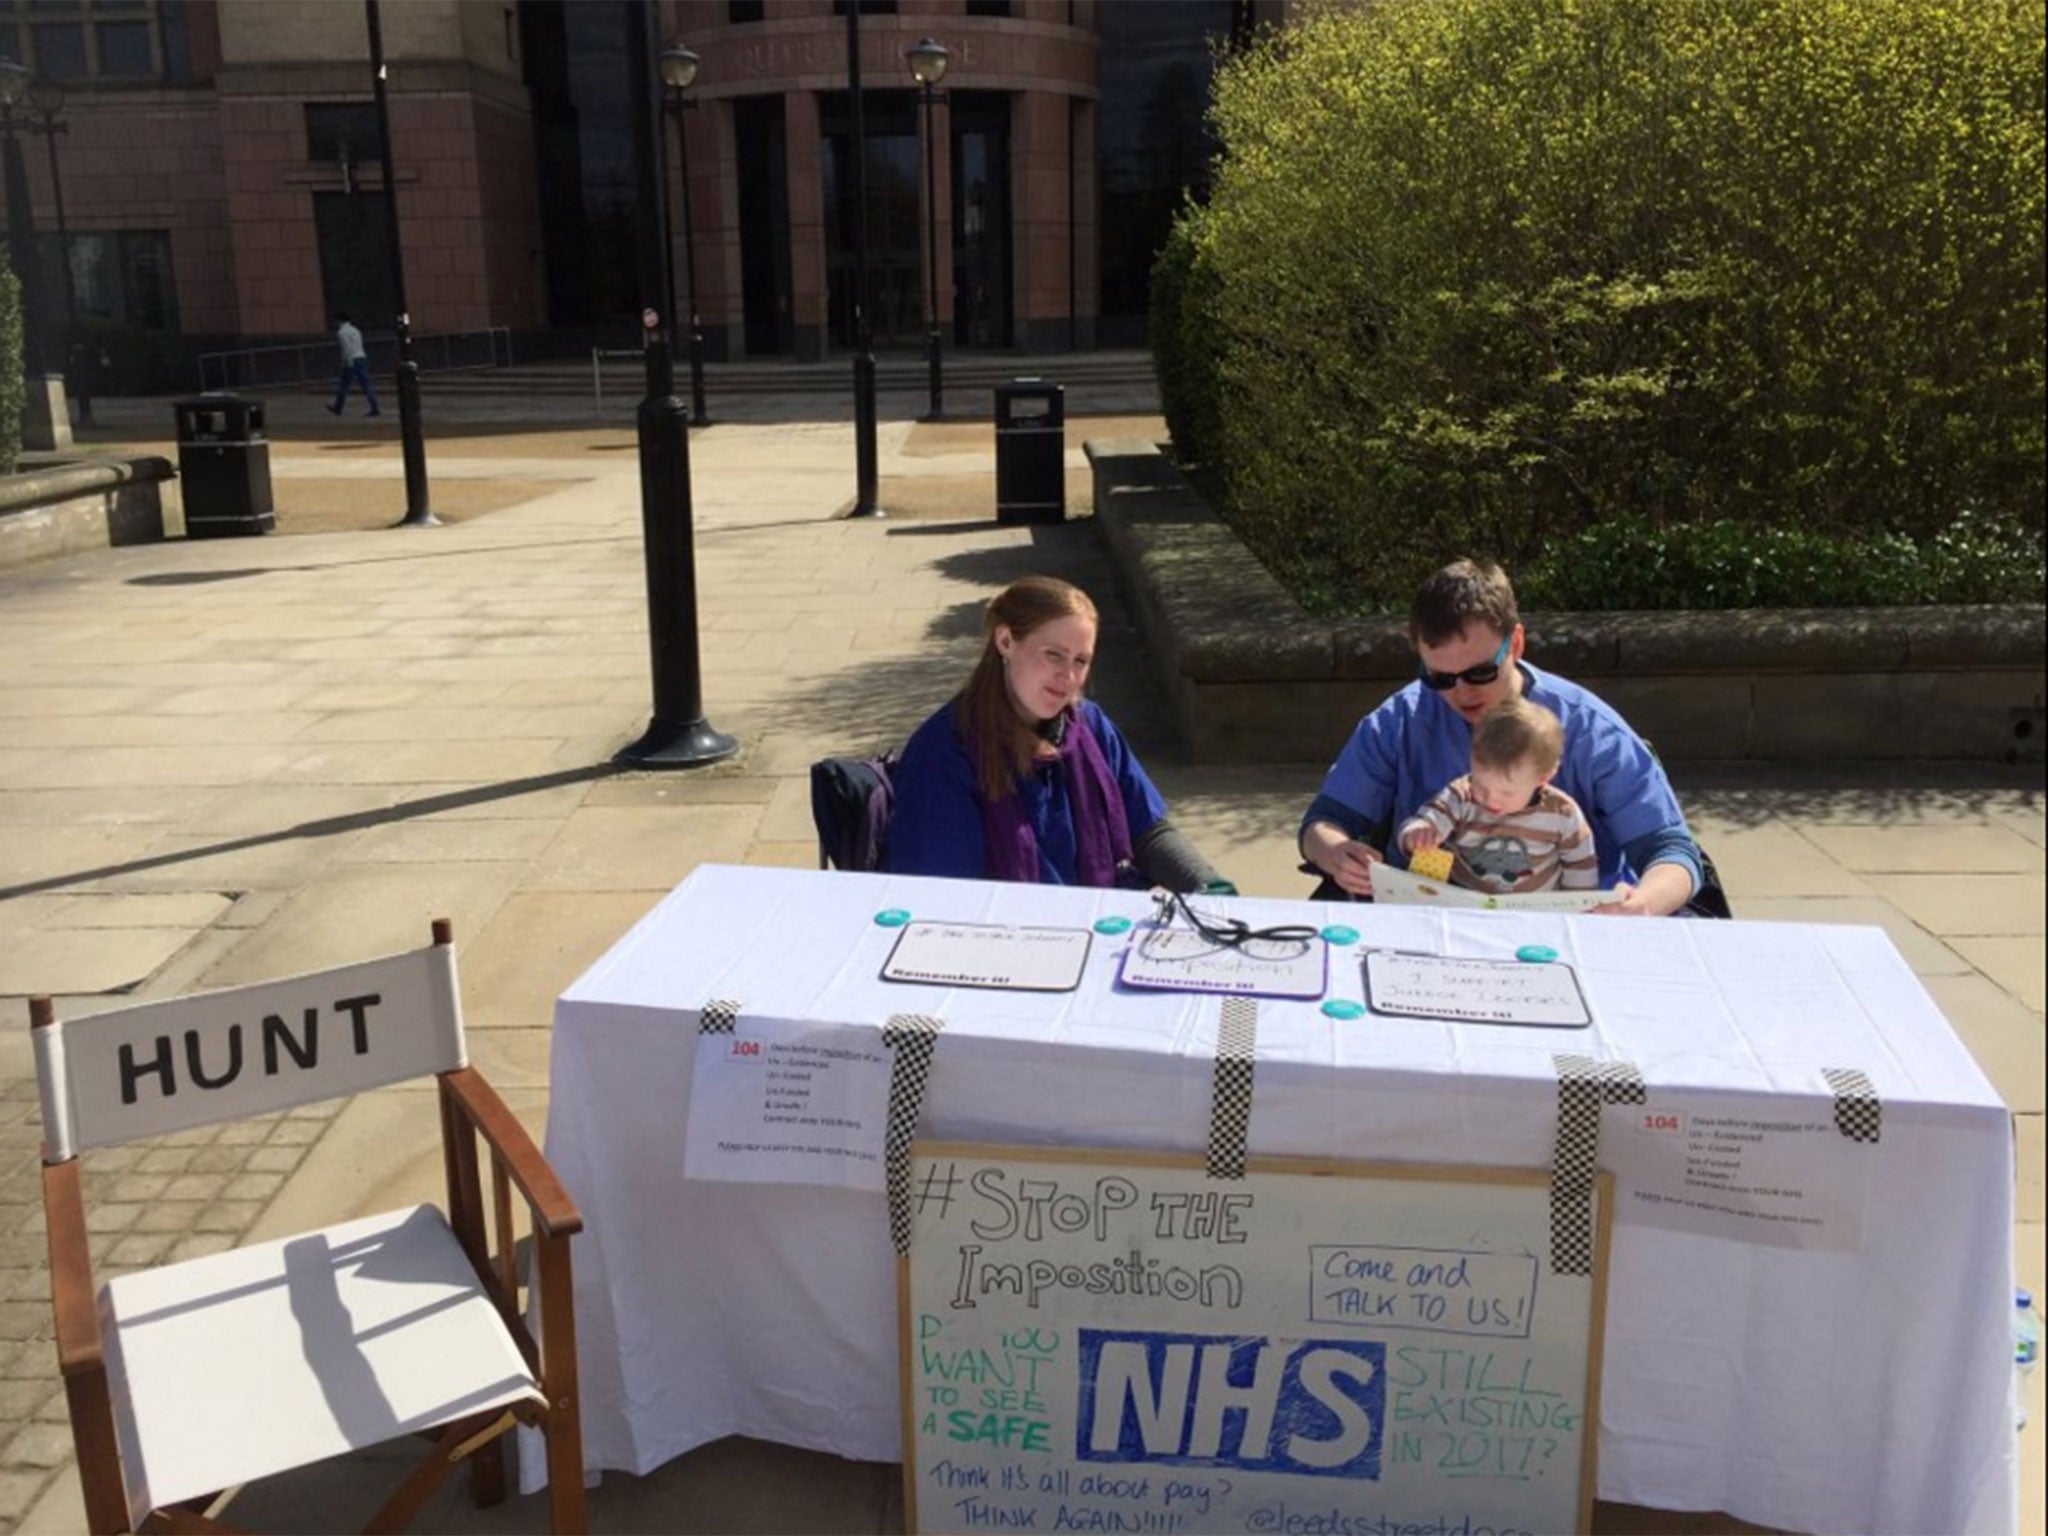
{"x": 188, "y": 1381}
{"x": 267, "y": 1358}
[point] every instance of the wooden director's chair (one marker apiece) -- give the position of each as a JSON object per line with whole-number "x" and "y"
{"x": 189, "y": 1380}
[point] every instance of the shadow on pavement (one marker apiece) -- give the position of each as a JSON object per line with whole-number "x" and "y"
{"x": 326, "y": 826}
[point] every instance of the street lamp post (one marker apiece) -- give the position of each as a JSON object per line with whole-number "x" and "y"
{"x": 928, "y": 67}
{"x": 678, "y": 70}
{"x": 46, "y": 100}
{"x": 413, "y": 441}
{"x": 677, "y": 735}
{"x": 866, "y": 493}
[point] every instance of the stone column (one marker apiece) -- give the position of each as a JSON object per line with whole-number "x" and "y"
{"x": 1038, "y": 190}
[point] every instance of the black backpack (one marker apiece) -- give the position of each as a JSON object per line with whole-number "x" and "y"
{"x": 852, "y": 801}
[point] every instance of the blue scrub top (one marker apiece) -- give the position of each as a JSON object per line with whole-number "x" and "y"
{"x": 1415, "y": 743}
{"x": 936, "y": 828}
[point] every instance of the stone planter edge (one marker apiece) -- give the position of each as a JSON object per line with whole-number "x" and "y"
{"x": 1252, "y": 677}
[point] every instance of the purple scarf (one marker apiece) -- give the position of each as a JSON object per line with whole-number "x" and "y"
{"x": 1102, "y": 832}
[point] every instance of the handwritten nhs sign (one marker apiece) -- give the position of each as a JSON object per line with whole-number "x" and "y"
{"x": 1315, "y": 1407}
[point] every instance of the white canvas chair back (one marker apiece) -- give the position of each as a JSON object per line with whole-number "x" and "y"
{"x": 248, "y": 1051}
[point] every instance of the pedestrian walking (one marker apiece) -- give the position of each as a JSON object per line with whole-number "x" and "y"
{"x": 355, "y": 366}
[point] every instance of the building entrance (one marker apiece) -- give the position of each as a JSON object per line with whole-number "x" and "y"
{"x": 895, "y": 243}
{"x": 981, "y": 218}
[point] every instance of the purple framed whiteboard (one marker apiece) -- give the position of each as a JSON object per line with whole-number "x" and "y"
{"x": 1180, "y": 960}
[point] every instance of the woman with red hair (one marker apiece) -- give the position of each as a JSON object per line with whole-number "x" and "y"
{"x": 1020, "y": 777}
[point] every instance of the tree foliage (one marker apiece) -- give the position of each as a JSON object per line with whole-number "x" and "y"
{"x": 1479, "y": 277}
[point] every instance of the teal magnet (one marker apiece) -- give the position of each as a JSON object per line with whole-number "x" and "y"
{"x": 1337, "y": 933}
{"x": 1344, "y": 1008}
{"x": 1536, "y": 954}
{"x": 1112, "y": 925}
{"x": 892, "y": 917}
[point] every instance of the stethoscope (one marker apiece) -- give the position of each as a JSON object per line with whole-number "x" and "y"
{"x": 1225, "y": 932}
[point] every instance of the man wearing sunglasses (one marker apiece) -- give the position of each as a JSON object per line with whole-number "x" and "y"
{"x": 1468, "y": 642}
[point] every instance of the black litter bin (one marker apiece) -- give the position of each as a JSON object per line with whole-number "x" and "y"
{"x": 224, "y": 467}
{"x": 1031, "y": 452}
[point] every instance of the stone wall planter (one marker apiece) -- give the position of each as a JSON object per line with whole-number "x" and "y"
{"x": 1253, "y": 678}
{"x": 69, "y": 508}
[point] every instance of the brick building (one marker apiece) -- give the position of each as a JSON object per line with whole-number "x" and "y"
{"x": 220, "y": 165}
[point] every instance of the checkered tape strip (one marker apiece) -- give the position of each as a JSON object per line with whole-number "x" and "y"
{"x": 718, "y": 1017}
{"x": 1858, "y": 1115}
{"x": 911, "y": 1036}
{"x": 1583, "y": 1086}
{"x": 1230, "y": 1111}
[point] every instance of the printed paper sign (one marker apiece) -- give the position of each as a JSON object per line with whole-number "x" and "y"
{"x": 1783, "y": 1180}
{"x": 1402, "y": 888}
{"x": 780, "y": 1102}
{"x": 990, "y": 955}
{"x": 1474, "y": 991}
{"x": 1179, "y": 960}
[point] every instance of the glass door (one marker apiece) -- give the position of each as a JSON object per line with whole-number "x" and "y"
{"x": 981, "y": 219}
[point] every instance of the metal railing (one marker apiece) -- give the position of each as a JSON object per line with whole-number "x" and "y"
{"x": 319, "y": 361}
{"x": 599, "y": 356}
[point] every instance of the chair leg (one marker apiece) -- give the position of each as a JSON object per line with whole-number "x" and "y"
{"x": 487, "y": 1476}
{"x": 567, "y": 1513}
{"x": 564, "y": 1421}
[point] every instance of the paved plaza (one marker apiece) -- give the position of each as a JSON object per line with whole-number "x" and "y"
{"x": 227, "y": 761}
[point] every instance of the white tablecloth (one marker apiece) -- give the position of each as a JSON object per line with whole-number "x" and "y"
{"x": 1866, "y": 1390}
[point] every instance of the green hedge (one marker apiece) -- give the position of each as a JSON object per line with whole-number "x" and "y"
{"x": 1480, "y": 277}
{"x": 1625, "y": 563}
{"x": 11, "y": 388}
{"x": 1185, "y": 347}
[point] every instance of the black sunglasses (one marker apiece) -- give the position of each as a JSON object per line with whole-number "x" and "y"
{"x": 1475, "y": 677}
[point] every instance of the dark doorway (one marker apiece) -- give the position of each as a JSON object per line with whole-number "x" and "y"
{"x": 764, "y": 224}
{"x": 981, "y": 219}
{"x": 354, "y": 230}
{"x": 895, "y": 246}
{"x": 1156, "y": 66}
{"x": 579, "y": 80}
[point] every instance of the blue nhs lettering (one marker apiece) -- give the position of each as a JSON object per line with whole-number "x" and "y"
{"x": 1315, "y": 1407}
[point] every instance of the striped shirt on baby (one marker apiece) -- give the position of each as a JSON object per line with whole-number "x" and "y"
{"x": 1544, "y": 846}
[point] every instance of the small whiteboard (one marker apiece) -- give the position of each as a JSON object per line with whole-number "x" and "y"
{"x": 990, "y": 955}
{"x": 1114, "y": 1341}
{"x": 1409, "y": 986}
{"x": 1181, "y": 960}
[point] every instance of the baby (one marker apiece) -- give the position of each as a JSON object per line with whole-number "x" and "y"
{"x": 1503, "y": 827}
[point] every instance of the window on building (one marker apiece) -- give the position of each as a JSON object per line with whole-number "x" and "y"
{"x": 988, "y": 7}
{"x": 121, "y": 277}
{"x": 867, "y": 7}
{"x": 175, "y": 40}
{"x": 60, "y": 50}
{"x": 124, "y": 50}
{"x": 86, "y": 40}
{"x": 740, "y": 12}
{"x": 342, "y": 132}
{"x": 149, "y": 299}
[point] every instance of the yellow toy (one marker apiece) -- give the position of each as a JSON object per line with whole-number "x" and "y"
{"x": 1431, "y": 863}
